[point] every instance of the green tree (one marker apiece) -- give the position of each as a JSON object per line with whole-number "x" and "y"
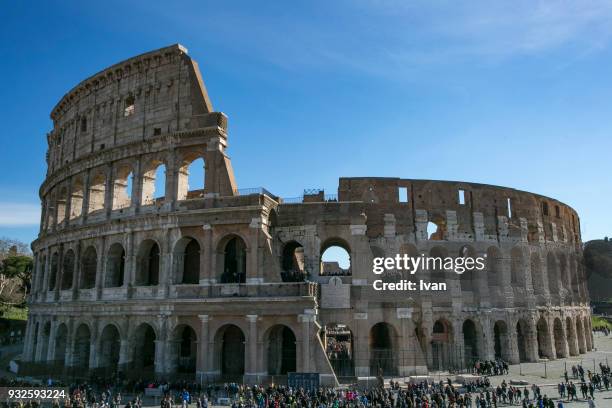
{"x": 15, "y": 278}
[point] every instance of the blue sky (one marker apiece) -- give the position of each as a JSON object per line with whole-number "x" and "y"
{"x": 515, "y": 93}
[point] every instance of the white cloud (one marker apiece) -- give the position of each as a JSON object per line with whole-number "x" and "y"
{"x": 19, "y": 214}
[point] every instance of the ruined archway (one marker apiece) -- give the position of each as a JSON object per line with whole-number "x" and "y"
{"x": 292, "y": 262}
{"x": 187, "y": 261}
{"x": 441, "y": 345}
{"x": 115, "y": 266}
{"x": 110, "y": 344}
{"x": 338, "y": 341}
{"x": 383, "y": 356}
{"x": 148, "y": 264}
{"x": 501, "y": 340}
{"x": 281, "y": 350}
{"x": 234, "y": 252}
{"x": 522, "y": 339}
{"x": 68, "y": 270}
{"x": 143, "y": 349}
{"x": 89, "y": 267}
{"x": 335, "y": 258}
{"x": 184, "y": 350}
{"x": 471, "y": 351}
{"x": 230, "y": 350}
{"x": 82, "y": 345}
{"x": 544, "y": 341}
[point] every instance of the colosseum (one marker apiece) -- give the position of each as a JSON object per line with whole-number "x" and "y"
{"x": 139, "y": 274}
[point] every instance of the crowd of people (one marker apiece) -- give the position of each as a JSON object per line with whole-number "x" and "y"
{"x": 605, "y": 330}
{"x": 491, "y": 367}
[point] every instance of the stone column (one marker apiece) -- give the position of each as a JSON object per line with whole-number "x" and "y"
{"x": 76, "y": 275}
{"x": 253, "y": 272}
{"x": 93, "y": 345}
{"x": 86, "y": 186}
{"x": 487, "y": 346}
{"x": 160, "y": 345}
{"x": 202, "y": 362}
{"x": 108, "y": 190}
{"x": 511, "y": 345}
{"x": 250, "y": 369}
{"x": 40, "y": 342}
{"x": 307, "y": 321}
{"x": 50, "y": 357}
{"x": 129, "y": 274}
{"x": 458, "y": 354}
{"x": 137, "y": 186}
{"x": 100, "y": 268}
{"x": 361, "y": 354}
{"x": 531, "y": 338}
{"x": 29, "y": 340}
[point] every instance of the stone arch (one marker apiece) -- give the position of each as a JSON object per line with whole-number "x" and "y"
{"x": 230, "y": 352}
{"x": 501, "y": 340}
{"x": 115, "y": 266}
{"x": 148, "y": 263}
{"x": 572, "y": 341}
{"x": 144, "y": 339}
{"x": 62, "y": 199}
{"x": 82, "y": 346}
{"x": 580, "y": 336}
{"x": 523, "y": 333}
{"x": 233, "y": 251}
{"x": 122, "y": 186}
{"x": 110, "y": 344}
{"x": 560, "y": 340}
{"x": 186, "y": 181}
{"x": 89, "y": 268}
{"x": 442, "y": 345}
{"x": 61, "y": 344}
{"x": 544, "y": 341}
{"x": 76, "y": 198}
{"x": 338, "y": 341}
{"x": 281, "y": 355}
{"x": 383, "y": 341}
{"x": 45, "y": 340}
{"x": 338, "y": 248}
{"x": 183, "y": 349}
{"x": 517, "y": 271}
{"x": 68, "y": 265}
{"x": 153, "y": 181}
{"x": 187, "y": 261}
{"x": 471, "y": 342}
{"x": 97, "y": 192}
{"x": 54, "y": 271}
{"x": 292, "y": 262}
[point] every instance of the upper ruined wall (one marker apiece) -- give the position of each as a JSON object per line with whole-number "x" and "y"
{"x": 486, "y": 210}
{"x": 152, "y": 94}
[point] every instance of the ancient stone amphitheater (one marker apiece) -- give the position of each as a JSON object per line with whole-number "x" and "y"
{"x": 218, "y": 282}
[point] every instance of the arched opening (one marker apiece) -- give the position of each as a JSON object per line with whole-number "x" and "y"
{"x": 110, "y": 344}
{"x": 580, "y": 336}
{"x": 143, "y": 351}
{"x": 46, "y": 336}
{"x": 230, "y": 348}
{"x": 335, "y": 258}
{"x": 292, "y": 262}
{"x": 191, "y": 179}
{"x": 383, "y": 360}
{"x": 82, "y": 345}
{"x": 572, "y": 342}
{"x": 500, "y": 334}
{"x": 61, "y": 341}
{"x": 53, "y": 272}
{"x": 148, "y": 264}
{"x": 153, "y": 183}
{"x": 187, "y": 261}
{"x": 559, "y": 335}
{"x": 68, "y": 270}
{"x": 122, "y": 187}
{"x": 468, "y": 279}
{"x": 544, "y": 345}
{"x": 521, "y": 338}
{"x": 185, "y": 344}
{"x": 89, "y": 265}
{"x": 441, "y": 340}
{"x": 115, "y": 266}
{"x": 76, "y": 198}
{"x": 516, "y": 267}
{"x": 61, "y": 205}
{"x": 97, "y": 191}
{"x": 281, "y": 350}
{"x": 339, "y": 348}
{"x": 234, "y": 261}
{"x": 436, "y": 229}
{"x": 470, "y": 342}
